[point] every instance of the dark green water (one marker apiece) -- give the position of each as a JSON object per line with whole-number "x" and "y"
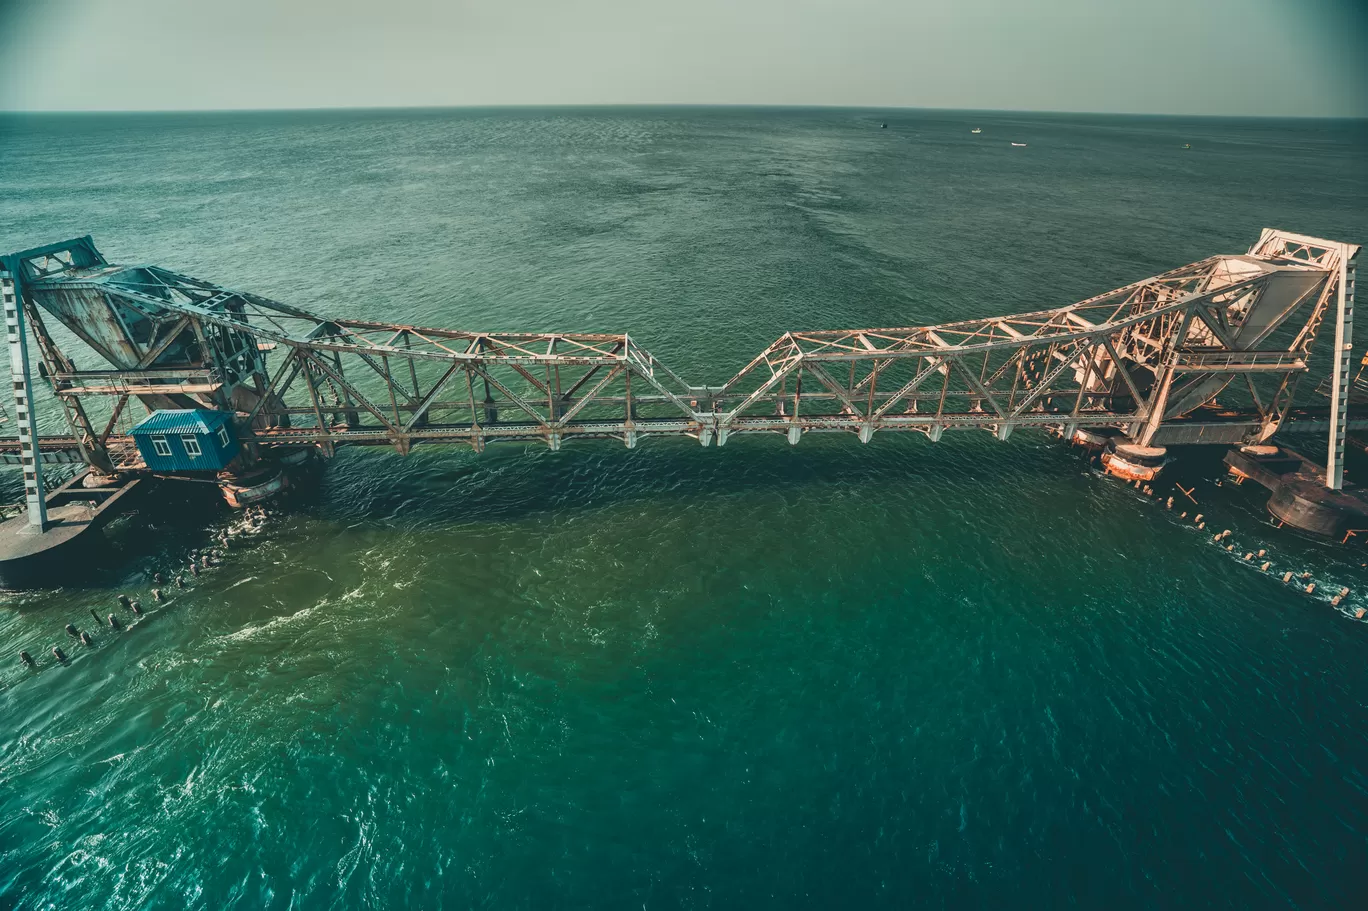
{"x": 965, "y": 674}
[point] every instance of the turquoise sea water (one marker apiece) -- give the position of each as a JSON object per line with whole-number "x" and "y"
{"x": 964, "y": 674}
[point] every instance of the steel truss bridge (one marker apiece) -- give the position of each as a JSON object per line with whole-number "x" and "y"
{"x": 1210, "y": 352}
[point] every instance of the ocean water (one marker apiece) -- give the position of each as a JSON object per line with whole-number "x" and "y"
{"x": 906, "y": 674}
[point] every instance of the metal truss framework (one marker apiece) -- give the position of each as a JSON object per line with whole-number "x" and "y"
{"x": 1151, "y": 355}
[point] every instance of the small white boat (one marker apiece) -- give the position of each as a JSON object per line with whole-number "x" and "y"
{"x": 977, "y": 130}
{"x": 1019, "y": 145}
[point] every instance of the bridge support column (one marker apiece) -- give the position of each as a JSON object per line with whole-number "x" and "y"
{"x": 1339, "y": 392}
{"x": 34, "y": 495}
{"x": 1132, "y": 462}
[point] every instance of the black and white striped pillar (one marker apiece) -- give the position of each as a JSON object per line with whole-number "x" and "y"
{"x": 34, "y": 495}
{"x": 1339, "y": 396}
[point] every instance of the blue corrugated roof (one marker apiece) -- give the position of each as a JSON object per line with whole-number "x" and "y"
{"x": 182, "y": 420}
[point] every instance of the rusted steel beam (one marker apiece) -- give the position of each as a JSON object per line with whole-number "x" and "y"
{"x": 1151, "y": 353}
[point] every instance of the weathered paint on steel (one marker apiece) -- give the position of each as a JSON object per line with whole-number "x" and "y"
{"x": 1144, "y": 360}
{"x": 186, "y": 440}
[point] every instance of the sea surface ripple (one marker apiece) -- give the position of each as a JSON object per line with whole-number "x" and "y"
{"x": 963, "y": 674}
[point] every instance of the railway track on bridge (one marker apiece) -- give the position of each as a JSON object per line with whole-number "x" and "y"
{"x": 1212, "y": 352}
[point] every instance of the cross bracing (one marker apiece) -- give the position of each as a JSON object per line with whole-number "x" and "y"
{"x": 1219, "y": 342}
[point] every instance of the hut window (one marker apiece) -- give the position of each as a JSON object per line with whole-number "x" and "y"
{"x": 192, "y": 447}
{"x": 223, "y": 437}
{"x": 161, "y": 447}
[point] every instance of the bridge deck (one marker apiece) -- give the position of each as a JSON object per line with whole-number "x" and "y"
{"x": 1202, "y": 429}
{"x": 1149, "y": 359}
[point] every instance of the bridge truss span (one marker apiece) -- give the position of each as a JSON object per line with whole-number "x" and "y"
{"x": 1212, "y": 351}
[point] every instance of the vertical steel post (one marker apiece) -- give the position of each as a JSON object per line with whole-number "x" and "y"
{"x": 34, "y": 494}
{"x": 1339, "y": 394}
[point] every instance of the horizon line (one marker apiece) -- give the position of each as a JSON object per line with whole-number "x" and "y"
{"x": 47, "y": 112}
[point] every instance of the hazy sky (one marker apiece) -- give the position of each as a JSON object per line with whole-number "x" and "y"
{"x": 1161, "y": 56}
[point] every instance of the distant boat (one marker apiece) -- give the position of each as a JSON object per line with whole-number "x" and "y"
{"x": 883, "y": 126}
{"x": 1187, "y": 145}
{"x": 977, "y": 130}
{"x": 1019, "y": 145}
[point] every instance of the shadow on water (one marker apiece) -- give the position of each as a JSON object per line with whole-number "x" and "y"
{"x": 435, "y": 488}
{"x": 168, "y": 517}
{"x": 509, "y": 484}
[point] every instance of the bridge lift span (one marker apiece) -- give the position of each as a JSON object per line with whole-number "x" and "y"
{"x": 1133, "y": 370}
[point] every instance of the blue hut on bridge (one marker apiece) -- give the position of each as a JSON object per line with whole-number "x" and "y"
{"x": 188, "y": 439}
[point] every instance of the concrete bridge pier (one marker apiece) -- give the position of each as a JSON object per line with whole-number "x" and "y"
{"x": 1300, "y": 497}
{"x": 39, "y": 544}
{"x": 1121, "y": 457}
{"x": 1133, "y": 462}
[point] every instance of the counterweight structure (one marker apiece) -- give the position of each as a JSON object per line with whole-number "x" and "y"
{"x": 1211, "y": 352}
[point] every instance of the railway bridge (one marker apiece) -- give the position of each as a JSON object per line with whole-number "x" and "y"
{"x": 1213, "y": 352}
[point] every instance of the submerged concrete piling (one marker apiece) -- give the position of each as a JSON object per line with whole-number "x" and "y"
{"x": 72, "y": 631}
{"x": 59, "y": 654}
{"x": 115, "y": 622}
{"x": 96, "y": 616}
{"x": 136, "y": 608}
{"x": 87, "y": 641}
{"x": 27, "y": 659}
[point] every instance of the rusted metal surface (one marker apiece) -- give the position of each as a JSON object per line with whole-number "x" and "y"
{"x": 1148, "y": 360}
{"x": 1134, "y": 463}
